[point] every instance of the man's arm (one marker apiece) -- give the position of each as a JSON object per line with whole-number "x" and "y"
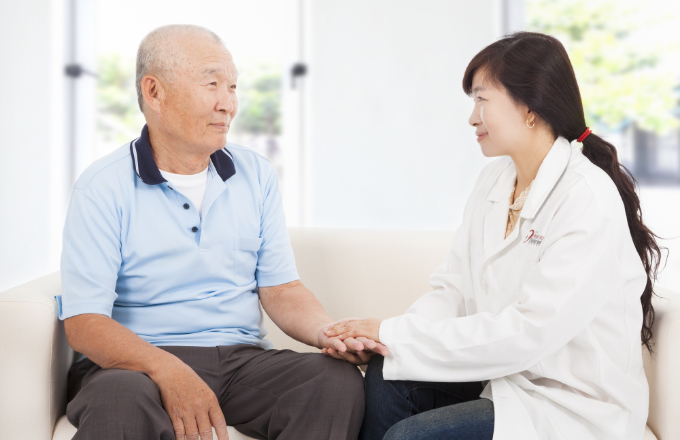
{"x": 190, "y": 403}
{"x": 297, "y": 312}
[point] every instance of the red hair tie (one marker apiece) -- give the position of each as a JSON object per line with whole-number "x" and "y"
{"x": 584, "y": 135}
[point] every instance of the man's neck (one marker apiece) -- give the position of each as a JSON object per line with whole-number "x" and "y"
{"x": 174, "y": 158}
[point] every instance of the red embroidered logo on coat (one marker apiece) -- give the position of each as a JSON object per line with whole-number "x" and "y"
{"x": 533, "y": 238}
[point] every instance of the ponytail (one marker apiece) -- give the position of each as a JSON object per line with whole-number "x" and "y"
{"x": 603, "y": 154}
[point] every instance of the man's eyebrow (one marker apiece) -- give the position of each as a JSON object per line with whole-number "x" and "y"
{"x": 211, "y": 71}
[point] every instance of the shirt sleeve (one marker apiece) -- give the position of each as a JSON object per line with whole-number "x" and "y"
{"x": 275, "y": 259}
{"x": 91, "y": 256}
{"x": 578, "y": 273}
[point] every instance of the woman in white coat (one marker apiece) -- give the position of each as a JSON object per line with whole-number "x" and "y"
{"x": 534, "y": 327}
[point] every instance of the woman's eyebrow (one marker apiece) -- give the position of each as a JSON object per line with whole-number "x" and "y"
{"x": 478, "y": 89}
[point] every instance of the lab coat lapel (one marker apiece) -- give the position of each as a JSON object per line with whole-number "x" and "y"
{"x": 496, "y": 219}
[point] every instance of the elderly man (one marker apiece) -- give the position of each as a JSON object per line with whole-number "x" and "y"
{"x": 170, "y": 245}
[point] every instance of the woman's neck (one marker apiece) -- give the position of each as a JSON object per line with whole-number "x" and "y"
{"x": 529, "y": 159}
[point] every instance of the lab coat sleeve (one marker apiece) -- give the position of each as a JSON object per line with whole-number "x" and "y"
{"x": 576, "y": 275}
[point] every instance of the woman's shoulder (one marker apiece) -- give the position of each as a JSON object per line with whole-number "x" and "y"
{"x": 588, "y": 181}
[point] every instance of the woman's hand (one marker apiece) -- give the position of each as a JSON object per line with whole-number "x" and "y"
{"x": 366, "y": 331}
{"x": 354, "y": 328}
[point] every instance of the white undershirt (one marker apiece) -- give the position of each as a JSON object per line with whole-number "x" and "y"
{"x": 192, "y": 186}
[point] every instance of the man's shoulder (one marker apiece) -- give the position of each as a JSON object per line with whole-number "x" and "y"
{"x": 250, "y": 160}
{"x": 108, "y": 169}
{"x": 245, "y": 153}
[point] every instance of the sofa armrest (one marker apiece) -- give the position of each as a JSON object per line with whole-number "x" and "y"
{"x": 663, "y": 367}
{"x": 36, "y": 358}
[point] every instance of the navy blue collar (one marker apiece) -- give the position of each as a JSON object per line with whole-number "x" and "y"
{"x": 146, "y": 169}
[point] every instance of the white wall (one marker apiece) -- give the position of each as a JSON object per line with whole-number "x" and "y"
{"x": 386, "y": 138}
{"x": 31, "y": 147}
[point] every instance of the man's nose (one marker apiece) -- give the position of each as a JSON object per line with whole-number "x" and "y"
{"x": 226, "y": 103}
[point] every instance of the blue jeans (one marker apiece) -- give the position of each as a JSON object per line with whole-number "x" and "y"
{"x": 404, "y": 409}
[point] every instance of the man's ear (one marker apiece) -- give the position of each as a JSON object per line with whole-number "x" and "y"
{"x": 153, "y": 92}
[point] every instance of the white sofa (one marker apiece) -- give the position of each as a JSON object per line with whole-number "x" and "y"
{"x": 352, "y": 272}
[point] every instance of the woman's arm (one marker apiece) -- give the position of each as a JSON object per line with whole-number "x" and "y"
{"x": 579, "y": 272}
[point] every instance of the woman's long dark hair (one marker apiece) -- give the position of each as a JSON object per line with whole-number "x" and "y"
{"x": 535, "y": 70}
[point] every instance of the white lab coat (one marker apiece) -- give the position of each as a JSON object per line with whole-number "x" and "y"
{"x": 550, "y": 315}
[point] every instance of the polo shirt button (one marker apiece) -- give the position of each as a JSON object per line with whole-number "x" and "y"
{"x": 186, "y": 206}
{"x": 194, "y": 229}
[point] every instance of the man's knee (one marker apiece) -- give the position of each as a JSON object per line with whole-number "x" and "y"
{"x": 116, "y": 391}
{"x": 343, "y": 380}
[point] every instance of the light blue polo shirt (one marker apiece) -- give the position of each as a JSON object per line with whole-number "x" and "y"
{"x": 136, "y": 250}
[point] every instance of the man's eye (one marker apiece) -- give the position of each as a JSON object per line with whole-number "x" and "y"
{"x": 213, "y": 83}
{"x": 233, "y": 86}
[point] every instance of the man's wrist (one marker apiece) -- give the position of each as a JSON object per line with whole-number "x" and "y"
{"x": 161, "y": 363}
{"x": 319, "y": 335}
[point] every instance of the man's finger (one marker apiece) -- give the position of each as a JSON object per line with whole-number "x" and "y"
{"x": 335, "y": 354}
{"x": 204, "y": 426}
{"x": 178, "y": 426}
{"x": 353, "y": 345}
{"x": 368, "y": 343}
{"x": 190, "y": 427}
{"x": 338, "y": 345}
{"x": 364, "y": 356}
{"x": 381, "y": 349}
{"x": 351, "y": 358}
{"x": 217, "y": 420}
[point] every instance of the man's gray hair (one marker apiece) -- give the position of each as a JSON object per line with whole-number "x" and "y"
{"x": 159, "y": 53}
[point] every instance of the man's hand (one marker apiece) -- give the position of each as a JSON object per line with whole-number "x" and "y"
{"x": 357, "y": 350}
{"x": 192, "y": 406}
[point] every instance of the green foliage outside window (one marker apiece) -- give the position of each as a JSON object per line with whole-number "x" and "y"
{"x": 620, "y": 79}
{"x": 259, "y": 93}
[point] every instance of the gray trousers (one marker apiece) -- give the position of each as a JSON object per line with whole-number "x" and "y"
{"x": 265, "y": 394}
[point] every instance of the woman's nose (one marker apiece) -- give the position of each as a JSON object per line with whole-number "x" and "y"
{"x": 475, "y": 120}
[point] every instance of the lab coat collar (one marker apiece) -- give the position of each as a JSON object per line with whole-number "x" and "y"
{"x": 496, "y": 219}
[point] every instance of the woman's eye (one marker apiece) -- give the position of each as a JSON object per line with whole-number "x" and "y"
{"x": 213, "y": 83}
{"x": 233, "y": 86}
{"x": 480, "y": 99}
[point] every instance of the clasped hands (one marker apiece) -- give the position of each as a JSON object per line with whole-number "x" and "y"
{"x": 354, "y": 340}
